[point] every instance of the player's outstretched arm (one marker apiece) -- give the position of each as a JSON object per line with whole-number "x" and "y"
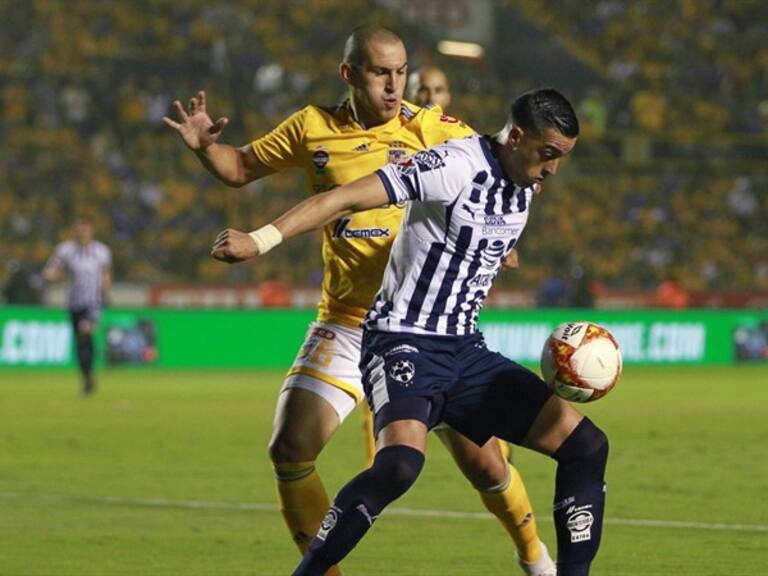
{"x": 311, "y": 214}
{"x": 233, "y": 166}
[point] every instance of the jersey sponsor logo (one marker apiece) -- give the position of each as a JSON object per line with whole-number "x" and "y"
{"x": 342, "y": 230}
{"x": 482, "y": 280}
{"x": 448, "y": 119}
{"x": 495, "y": 220}
{"x": 403, "y": 372}
{"x": 579, "y": 523}
{"x": 492, "y": 254}
{"x": 428, "y": 160}
{"x": 361, "y": 148}
{"x": 320, "y": 158}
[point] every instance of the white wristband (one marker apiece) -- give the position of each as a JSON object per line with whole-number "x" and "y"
{"x": 266, "y": 238}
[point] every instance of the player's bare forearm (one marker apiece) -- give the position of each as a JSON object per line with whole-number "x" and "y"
{"x": 318, "y": 210}
{"x": 225, "y": 162}
{"x": 52, "y": 274}
{"x": 313, "y": 213}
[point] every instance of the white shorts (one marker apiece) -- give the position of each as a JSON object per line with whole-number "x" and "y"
{"x": 327, "y": 364}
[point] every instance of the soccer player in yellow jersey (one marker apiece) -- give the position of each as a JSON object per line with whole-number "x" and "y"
{"x": 335, "y": 146}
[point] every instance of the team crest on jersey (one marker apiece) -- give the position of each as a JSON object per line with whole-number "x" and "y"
{"x": 394, "y": 155}
{"x": 320, "y": 159}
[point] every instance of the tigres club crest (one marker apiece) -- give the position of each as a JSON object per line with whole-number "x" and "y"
{"x": 396, "y": 152}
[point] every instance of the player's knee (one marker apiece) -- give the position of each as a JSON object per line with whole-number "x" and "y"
{"x": 586, "y": 444}
{"x": 485, "y": 469}
{"x": 287, "y": 447}
{"x": 397, "y": 468}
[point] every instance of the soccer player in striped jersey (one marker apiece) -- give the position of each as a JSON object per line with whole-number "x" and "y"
{"x": 429, "y": 86}
{"x": 335, "y": 146}
{"x": 423, "y": 358}
{"x": 88, "y": 264}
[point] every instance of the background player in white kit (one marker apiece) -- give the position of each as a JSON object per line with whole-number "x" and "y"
{"x": 423, "y": 359}
{"x": 88, "y": 264}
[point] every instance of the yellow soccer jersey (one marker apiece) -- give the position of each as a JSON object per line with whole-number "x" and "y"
{"x": 334, "y": 149}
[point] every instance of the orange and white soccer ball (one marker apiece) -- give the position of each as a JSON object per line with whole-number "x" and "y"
{"x": 581, "y": 361}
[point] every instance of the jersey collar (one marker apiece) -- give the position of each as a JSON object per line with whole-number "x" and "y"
{"x": 407, "y": 112}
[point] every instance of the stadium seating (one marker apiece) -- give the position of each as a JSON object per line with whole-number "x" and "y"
{"x": 83, "y": 91}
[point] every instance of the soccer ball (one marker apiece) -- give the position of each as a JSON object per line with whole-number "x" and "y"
{"x": 581, "y": 361}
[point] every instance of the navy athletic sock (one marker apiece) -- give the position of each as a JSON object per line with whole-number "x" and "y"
{"x": 85, "y": 353}
{"x": 357, "y": 506}
{"x": 580, "y": 498}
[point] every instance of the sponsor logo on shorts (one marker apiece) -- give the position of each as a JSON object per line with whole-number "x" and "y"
{"x": 580, "y": 522}
{"x": 402, "y": 372}
{"x": 324, "y": 333}
{"x": 402, "y": 349}
{"x": 329, "y": 522}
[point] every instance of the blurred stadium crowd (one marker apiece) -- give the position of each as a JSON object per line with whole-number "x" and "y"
{"x": 669, "y": 181}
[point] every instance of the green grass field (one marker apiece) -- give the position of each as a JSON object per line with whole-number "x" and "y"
{"x": 167, "y": 473}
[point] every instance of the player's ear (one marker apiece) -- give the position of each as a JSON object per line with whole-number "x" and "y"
{"x": 346, "y": 71}
{"x": 515, "y": 136}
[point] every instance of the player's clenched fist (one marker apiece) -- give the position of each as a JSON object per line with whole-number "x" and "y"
{"x": 195, "y": 125}
{"x": 234, "y": 246}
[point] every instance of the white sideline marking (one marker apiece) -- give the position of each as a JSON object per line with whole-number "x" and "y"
{"x": 421, "y": 513}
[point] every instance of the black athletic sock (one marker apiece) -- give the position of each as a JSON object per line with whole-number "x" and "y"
{"x": 580, "y": 498}
{"x": 357, "y": 506}
{"x": 85, "y": 349}
{"x": 85, "y": 352}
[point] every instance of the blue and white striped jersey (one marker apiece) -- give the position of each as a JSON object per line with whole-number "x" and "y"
{"x": 85, "y": 265}
{"x": 463, "y": 217}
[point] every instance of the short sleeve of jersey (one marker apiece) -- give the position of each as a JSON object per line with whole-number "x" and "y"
{"x": 58, "y": 258}
{"x": 436, "y": 174}
{"x": 438, "y": 127}
{"x": 106, "y": 257}
{"x": 279, "y": 149}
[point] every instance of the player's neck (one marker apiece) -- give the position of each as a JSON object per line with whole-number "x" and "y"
{"x": 499, "y": 152}
{"x": 360, "y": 116}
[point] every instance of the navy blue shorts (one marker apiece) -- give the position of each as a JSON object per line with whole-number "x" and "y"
{"x": 455, "y": 379}
{"x": 77, "y": 315}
